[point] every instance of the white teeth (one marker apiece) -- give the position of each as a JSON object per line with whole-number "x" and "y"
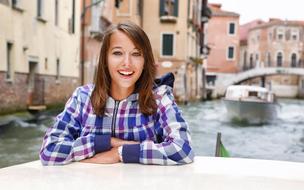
{"x": 126, "y": 72}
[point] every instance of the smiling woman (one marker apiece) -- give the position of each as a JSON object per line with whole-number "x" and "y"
{"x": 125, "y": 116}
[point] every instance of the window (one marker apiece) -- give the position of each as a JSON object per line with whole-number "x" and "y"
{"x": 57, "y": 69}
{"x": 231, "y": 28}
{"x": 9, "y": 55}
{"x": 294, "y": 35}
{"x": 245, "y": 60}
{"x": 4, "y": 2}
{"x": 40, "y": 8}
{"x": 15, "y": 3}
{"x": 73, "y": 17}
{"x": 124, "y": 8}
{"x": 167, "y": 44}
{"x": 168, "y": 8}
{"x": 251, "y": 61}
{"x": 293, "y": 60}
{"x": 279, "y": 59}
{"x": 230, "y": 55}
{"x": 269, "y": 36}
{"x": 257, "y": 57}
{"x": 268, "y": 59}
{"x": 46, "y": 63}
{"x": 280, "y": 34}
{"x": 56, "y": 12}
{"x": 139, "y": 9}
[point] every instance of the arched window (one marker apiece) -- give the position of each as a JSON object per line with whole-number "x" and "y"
{"x": 245, "y": 61}
{"x": 279, "y": 59}
{"x": 268, "y": 60}
{"x": 293, "y": 60}
{"x": 251, "y": 61}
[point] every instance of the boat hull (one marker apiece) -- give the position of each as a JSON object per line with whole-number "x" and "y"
{"x": 251, "y": 111}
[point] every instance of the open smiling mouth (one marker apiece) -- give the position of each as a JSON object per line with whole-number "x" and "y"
{"x": 126, "y": 73}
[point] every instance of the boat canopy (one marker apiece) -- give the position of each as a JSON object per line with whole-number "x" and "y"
{"x": 246, "y": 91}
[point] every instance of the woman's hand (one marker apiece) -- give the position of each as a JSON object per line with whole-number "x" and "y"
{"x": 108, "y": 157}
{"x": 116, "y": 142}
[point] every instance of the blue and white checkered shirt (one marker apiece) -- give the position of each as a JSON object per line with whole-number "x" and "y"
{"x": 78, "y": 133}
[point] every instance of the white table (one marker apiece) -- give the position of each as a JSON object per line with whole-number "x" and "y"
{"x": 205, "y": 173}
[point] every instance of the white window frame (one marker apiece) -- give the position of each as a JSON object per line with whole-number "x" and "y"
{"x": 227, "y": 53}
{"x": 161, "y": 44}
{"x": 228, "y": 27}
{"x": 280, "y": 31}
{"x": 295, "y": 32}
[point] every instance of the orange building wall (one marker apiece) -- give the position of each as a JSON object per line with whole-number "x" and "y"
{"x": 219, "y": 40}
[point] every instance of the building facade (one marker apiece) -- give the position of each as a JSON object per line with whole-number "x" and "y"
{"x": 174, "y": 30}
{"x": 39, "y": 50}
{"x": 174, "y": 33}
{"x": 223, "y": 42}
{"x": 277, "y": 43}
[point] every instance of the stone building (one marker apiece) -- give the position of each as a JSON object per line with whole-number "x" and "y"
{"x": 39, "y": 50}
{"x": 276, "y": 43}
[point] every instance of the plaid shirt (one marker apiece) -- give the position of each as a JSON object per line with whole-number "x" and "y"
{"x": 78, "y": 133}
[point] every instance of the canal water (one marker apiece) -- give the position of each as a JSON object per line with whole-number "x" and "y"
{"x": 283, "y": 139}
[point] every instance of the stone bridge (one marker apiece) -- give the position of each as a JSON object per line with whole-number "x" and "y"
{"x": 223, "y": 81}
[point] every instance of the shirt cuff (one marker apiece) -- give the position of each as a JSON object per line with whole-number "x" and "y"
{"x": 130, "y": 153}
{"x": 102, "y": 143}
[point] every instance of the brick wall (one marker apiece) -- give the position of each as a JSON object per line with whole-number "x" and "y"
{"x": 14, "y": 95}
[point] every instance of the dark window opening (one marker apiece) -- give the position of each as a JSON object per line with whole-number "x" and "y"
{"x": 167, "y": 45}
{"x": 293, "y": 60}
{"x": 230, "y": 52}
{"x": 279, "y": 59}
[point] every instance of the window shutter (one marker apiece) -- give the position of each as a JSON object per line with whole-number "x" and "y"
{"x": 176, "y": 8}
{"x": 161, "y": 7}
{"x": 167, "y": 44}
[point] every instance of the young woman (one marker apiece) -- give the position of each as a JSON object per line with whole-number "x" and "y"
{"x": 124, "y": 116}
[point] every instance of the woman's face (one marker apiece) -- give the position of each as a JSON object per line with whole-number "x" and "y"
{"x": 125, "y": 64}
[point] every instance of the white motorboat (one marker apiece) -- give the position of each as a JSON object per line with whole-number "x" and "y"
{"x": 251, "y": 104}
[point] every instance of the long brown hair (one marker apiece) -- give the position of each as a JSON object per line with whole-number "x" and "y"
{"x": 144, "y": 84}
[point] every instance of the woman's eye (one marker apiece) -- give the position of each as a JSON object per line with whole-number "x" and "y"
{"x": 117, "y": 53}
{"x": 136, "y": 54}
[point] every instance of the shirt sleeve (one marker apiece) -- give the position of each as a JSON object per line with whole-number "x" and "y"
{"x": 176, "y": 146}
{"x": 62, "y": 142}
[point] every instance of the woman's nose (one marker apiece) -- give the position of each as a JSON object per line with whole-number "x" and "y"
{"x": 126, "y": 60}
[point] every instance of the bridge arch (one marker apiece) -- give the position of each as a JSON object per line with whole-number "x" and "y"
{"x": 223, "y": 82}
